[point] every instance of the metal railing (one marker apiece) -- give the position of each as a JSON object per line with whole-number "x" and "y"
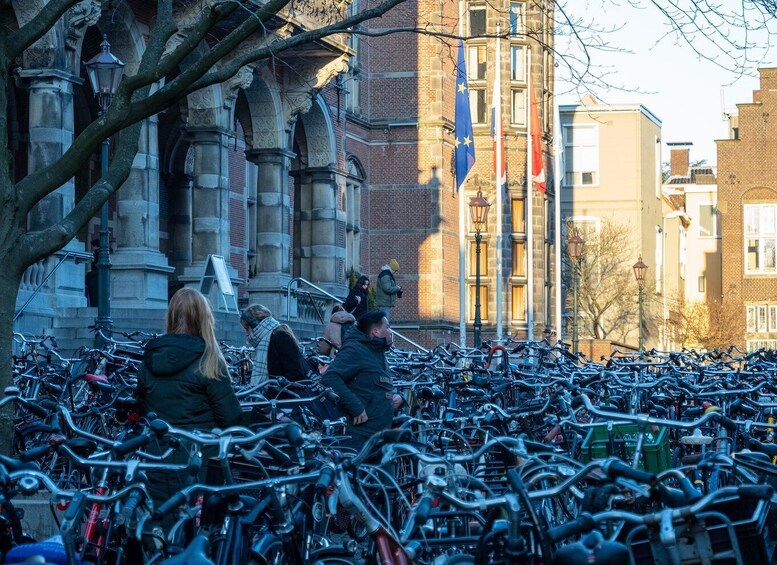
{"x": 78, "y": 256}
{"x": 299, "y": 280}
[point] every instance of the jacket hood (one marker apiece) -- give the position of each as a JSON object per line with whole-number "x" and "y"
{"x": 342, "y": 317}
{"x": 171, "y": 353}
{"x": 385, "y": 268}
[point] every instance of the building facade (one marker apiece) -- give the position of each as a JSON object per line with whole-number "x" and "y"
{"x": 331, "y": 159}
{"x": 611, "y": 194}
{"x": 747, "y": 204}
{"x": 692, "y": 243}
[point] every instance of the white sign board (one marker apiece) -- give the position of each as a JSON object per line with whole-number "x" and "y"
{"x": 216, "y": 270}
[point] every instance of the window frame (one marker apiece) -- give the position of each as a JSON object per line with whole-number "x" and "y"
{"x": 520, "y": 28}
{"x": 518, "y": 120}
{"x": 569, "y": 146}
{"x": 476, "y": 8}
{"x": 714, "y": 219}
{"x": 761, "y": 237}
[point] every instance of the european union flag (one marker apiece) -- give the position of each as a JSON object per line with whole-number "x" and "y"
{"x": 464, "y": 142}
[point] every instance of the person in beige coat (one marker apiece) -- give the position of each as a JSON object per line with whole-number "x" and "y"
{"x": 334, "y": 332}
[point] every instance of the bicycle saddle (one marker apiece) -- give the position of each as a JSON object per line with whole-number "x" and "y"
{"x": 196, "y": 553}
{"x": 769, "y": 449}
{"x": 81, "y": 446}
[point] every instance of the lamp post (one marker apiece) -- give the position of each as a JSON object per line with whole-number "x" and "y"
{"x": 640, "y": 270}
{"x": 105, "y": 72}
{"x": 478, "y": 208}
{"x": 575, "y": 245}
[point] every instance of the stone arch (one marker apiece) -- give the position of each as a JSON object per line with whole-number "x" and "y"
{"x": 205, "y": 107}
{"x": 264, "y": 125}
{"x": 319, "y": 135}
{"x": 759, "y": 193}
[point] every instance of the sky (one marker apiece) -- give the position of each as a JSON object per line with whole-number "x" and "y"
{"x": 685, "y": 91}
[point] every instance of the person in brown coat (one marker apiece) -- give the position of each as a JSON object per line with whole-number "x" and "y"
{"x": 340, "y": 322}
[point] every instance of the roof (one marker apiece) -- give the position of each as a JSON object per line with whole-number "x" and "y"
{"x": 594, "y": 108}
{"x": 696, "y": 175}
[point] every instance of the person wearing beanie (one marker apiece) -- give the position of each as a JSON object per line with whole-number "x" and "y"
{"x": 387, "y": 290}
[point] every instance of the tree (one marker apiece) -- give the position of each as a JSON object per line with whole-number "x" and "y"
{"x": 709, "y": 325}
{"x": 607, "y": 289}
{"x": 173, "y": 65}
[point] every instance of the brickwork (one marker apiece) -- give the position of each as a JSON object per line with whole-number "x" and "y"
{"x": 747, "y": 174}
{"x": 404, "y": 139}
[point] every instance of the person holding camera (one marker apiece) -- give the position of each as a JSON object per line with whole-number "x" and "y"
{"x": 387, "y": 290}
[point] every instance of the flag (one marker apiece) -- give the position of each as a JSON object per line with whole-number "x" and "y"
{"x": 464, "y": 141}
{"x": 537, "y": 158}
{"x": 497, "y": 132}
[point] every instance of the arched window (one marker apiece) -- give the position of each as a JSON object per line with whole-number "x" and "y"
{"x": 353, "y": 215}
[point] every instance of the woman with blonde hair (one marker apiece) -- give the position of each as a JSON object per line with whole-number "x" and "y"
{"x": 184, "y": 380}
{"x": 277, "y": 351}
{"x": 184, "y": 377}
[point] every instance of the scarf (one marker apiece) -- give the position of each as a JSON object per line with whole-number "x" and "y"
{"x": 259, "y": 339}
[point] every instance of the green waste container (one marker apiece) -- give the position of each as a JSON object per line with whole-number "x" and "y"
{"x": 621, "y": 441}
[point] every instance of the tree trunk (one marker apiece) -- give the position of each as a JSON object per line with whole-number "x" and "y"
{"x": 9, "y": 288}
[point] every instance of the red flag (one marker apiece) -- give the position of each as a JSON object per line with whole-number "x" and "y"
{"x": 537, "y": 158}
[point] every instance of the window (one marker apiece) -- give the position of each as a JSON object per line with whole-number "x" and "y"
{"x": 753, "y": 345}
{"x": 518, "y": 107}
{"x": 483, "y": 302}
{"x": 702, "y": 283}
{"x": 581, "y": 155}
{"x": 517, "y": 63}
{"x": 476, "y": 62}
{"x": 477, "y": 21}
{"x": 760, "y": 239}
{"x": 473, "y": 258}
{"x": 517, "y": 18}
{"x": 708, "y": 220}
{"x": 518, "y": 215}
{"x": 762, "y": 327}
{"x": 477, "y": 104}
{"x": 772, "y": 318}
{"x": 518, "y": 302}
{"x": 519, "y": 259}
{"x": 751, "y": 319}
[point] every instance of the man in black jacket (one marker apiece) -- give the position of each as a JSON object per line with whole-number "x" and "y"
{"x": 361, "y": 378}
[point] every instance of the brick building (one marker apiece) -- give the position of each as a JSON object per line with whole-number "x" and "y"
{"x": 747, "y": 205}
{"x": 334, "y": 157}
{"x": 400, "y": 130}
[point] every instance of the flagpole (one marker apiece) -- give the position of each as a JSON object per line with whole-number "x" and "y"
{"x": 529, "y": 209}
{"x": 497, "y": 100}
{"x": 558, "y": 171}
{"x": 462, "y": 237}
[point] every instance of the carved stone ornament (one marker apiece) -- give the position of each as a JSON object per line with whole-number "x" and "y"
{"x": 200, "y": 108}
{"x": 241, "y": 80}
{"x": 319, "y": 12}
{"x": 185, "y": 21}
{"x": 307, "y": 80}
{"x": 78, "y": 18}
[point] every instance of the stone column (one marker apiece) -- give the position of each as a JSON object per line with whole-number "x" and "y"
{"x": 273, "y": 228}
{"x": 139, "y": 272}
{"x": 50, "y": 126}
{"x": 210, "y": 204}
{"x": 325, "y": 250}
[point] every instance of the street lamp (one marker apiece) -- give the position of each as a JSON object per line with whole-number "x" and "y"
{"x": 105, "y": 73}
{"x": 478, "y": 209}
{"x": 640, "y": 270}
{"x": 575, "y": 245}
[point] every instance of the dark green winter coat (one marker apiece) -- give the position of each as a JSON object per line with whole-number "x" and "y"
{"x": 361, "y": 378}
{"x": 171, "y": 385}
